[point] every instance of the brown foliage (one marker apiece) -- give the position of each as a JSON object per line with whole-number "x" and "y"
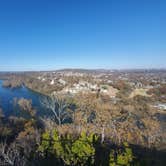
{"x": 26, "y": 105}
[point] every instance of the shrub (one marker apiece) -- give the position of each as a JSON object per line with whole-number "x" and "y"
{"x": 71, "y": 151}
{"x": 121, "y": 158}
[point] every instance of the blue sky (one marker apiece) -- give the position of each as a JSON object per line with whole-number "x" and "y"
{"x": 48, "y": 35}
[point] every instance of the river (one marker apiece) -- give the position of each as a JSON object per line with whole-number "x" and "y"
{"x": 7, "y": 96}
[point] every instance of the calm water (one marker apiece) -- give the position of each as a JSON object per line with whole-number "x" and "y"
{"x": 7, "y": 96}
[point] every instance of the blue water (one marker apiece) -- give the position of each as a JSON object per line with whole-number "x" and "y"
{"x": 7, "y": 96}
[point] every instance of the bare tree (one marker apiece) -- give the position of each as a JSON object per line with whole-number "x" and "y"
{"x": 10, "y": 155}
{"x": 59, "y": 107}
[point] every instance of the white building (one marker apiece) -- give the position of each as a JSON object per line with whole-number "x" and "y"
{"x": 52, "y": 82}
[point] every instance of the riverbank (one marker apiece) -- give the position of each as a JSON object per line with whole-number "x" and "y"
{"x": 8, "y": 96}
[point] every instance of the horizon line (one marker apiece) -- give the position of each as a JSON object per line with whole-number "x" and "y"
{"x": 91, "y": 69}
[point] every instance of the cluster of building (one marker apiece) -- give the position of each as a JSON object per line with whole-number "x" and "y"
{"x": 102, "y": 81}
{"x": 82, "y": 86}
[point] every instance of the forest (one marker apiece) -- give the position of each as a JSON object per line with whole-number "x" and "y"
{"x": 81, "y": 131}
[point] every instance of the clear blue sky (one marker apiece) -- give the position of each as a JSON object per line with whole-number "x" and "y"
{"x": 47, "y": 35}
